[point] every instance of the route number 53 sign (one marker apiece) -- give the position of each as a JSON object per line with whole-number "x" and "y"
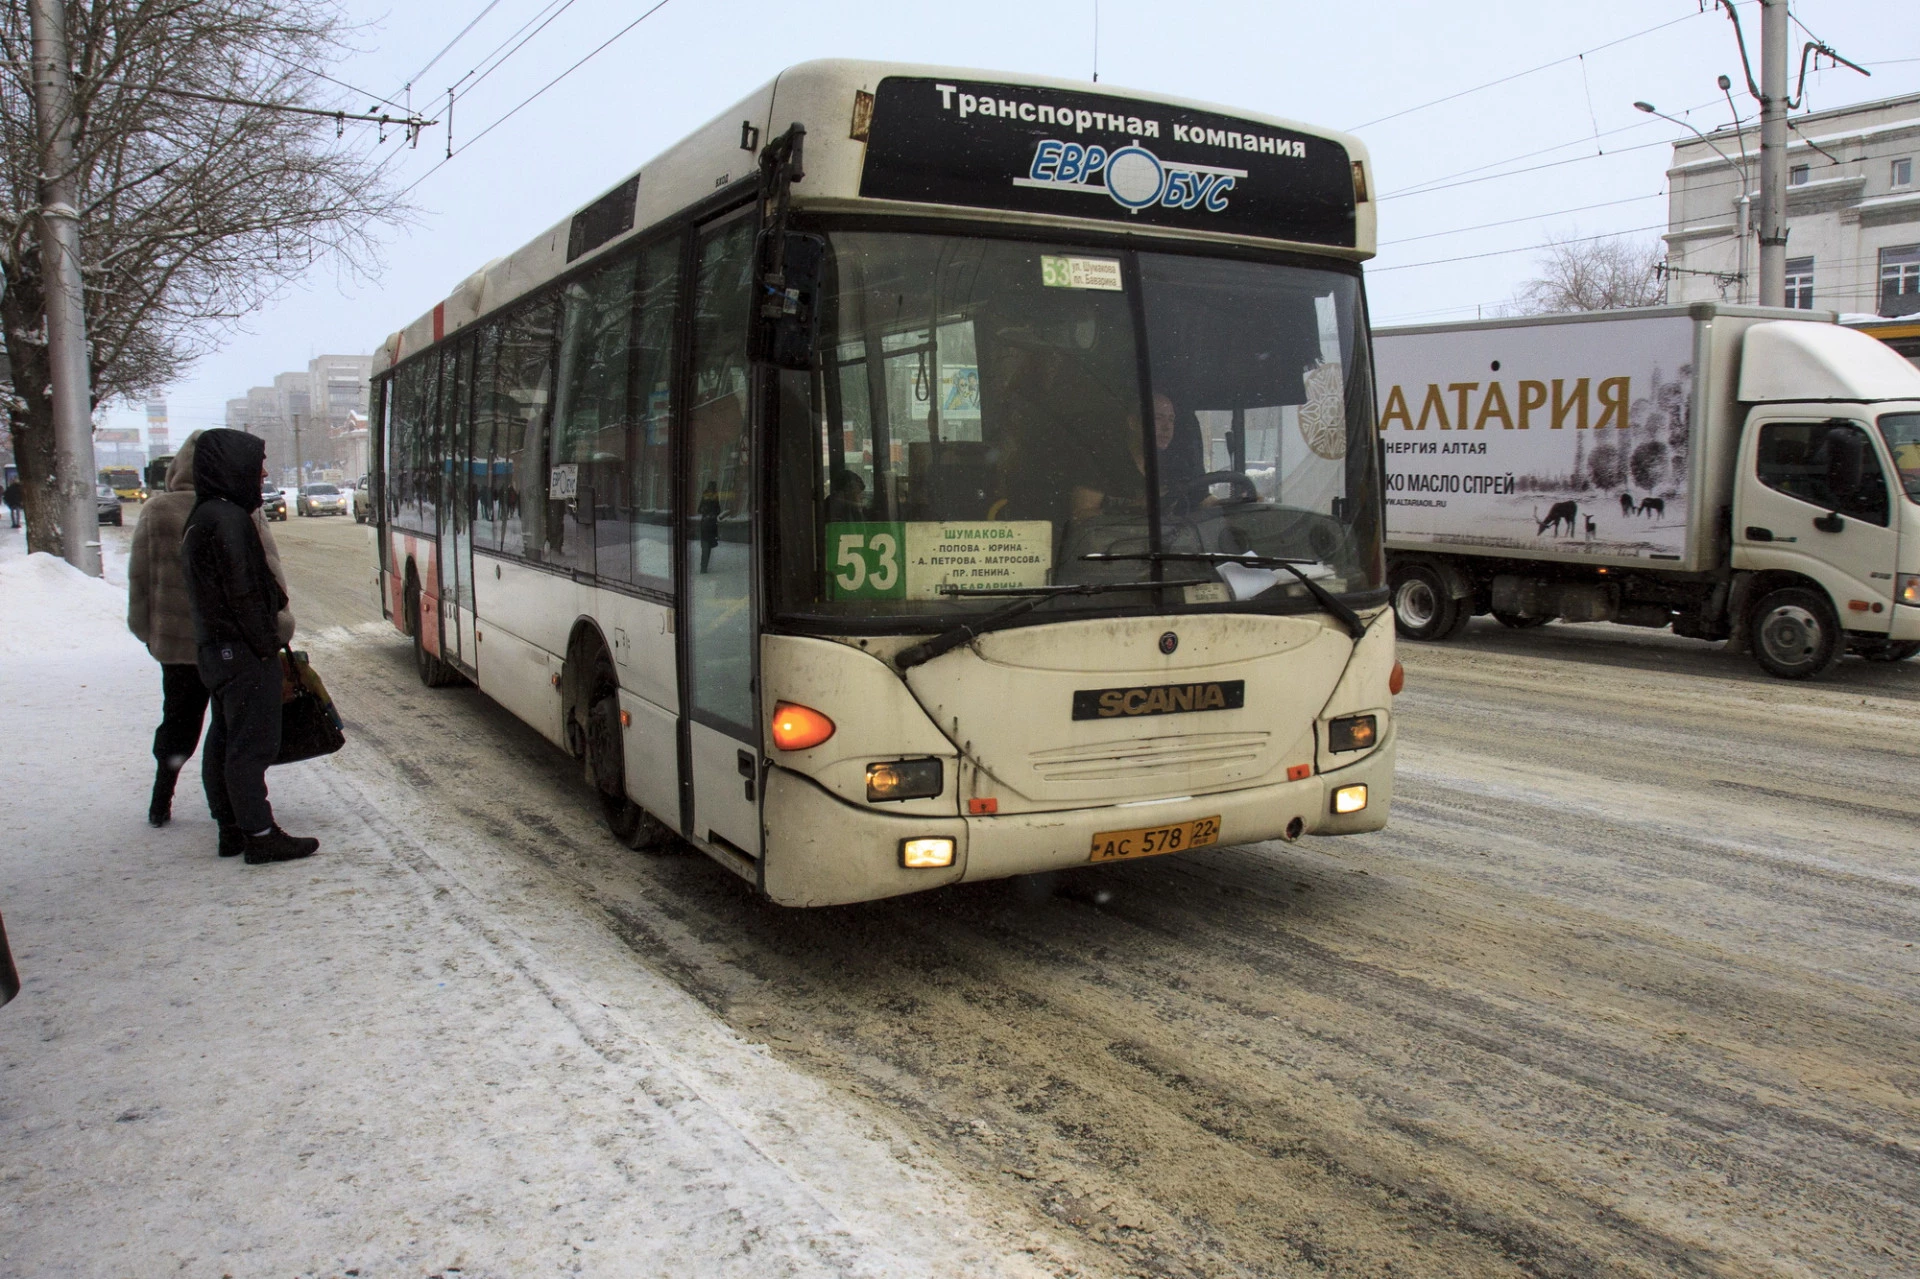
{"x": 912, "y": 561}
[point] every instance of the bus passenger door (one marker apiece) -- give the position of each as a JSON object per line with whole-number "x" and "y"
{"x": 456, "y": 508}
{"x": 718, "y": 624}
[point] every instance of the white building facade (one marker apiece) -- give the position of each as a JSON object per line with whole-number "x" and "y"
{"x": 1853, "y": 211}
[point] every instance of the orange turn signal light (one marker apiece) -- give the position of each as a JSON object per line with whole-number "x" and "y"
{"x": 1397, "y": 680}
{"x": 797, "y": 727}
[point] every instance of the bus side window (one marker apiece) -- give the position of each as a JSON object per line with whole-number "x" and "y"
{"x": 590, "y": 423}
{"x": 487, "y": 487}
{"x": 524, "y": 388}
{"x": 650, "y": 384}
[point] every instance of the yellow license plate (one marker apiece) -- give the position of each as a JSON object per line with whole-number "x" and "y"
{"x": 1149, "y": 841}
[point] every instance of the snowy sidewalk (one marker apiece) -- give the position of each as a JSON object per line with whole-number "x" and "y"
{"x": 359, "y": 1063}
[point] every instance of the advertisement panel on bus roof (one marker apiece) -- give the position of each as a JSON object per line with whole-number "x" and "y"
{"x": 1090, "y": 155}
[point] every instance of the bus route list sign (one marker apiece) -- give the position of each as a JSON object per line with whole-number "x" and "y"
{"x": 1090, "y": 155}
{"x": 913, "y": 560}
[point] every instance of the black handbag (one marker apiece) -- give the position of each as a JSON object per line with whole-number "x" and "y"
{"x": 309, "y": 725}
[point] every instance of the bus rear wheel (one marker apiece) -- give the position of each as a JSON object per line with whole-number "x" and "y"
{"x": 433, "y": 672}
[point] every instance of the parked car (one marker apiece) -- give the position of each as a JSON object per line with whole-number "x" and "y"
{"x": 362, "y": 500}
{"x": 322, "y": 499}
{"x": 273, "y": 503}
{"x": 107, "y": 503}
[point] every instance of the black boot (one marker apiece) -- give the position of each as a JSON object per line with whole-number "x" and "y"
{"x": 233, "y": 840}
{"x": 160, "y": 807}
{"x": 278, "y": 846}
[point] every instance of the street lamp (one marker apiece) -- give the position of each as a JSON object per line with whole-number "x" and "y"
{"x": 1744, "y": 203}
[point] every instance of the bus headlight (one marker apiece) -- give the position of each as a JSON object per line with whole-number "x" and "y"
{"x": 1909, "y": 592}
{"x": 904, "y": 779}
{"x": 1350, "y": 799}
{"x": 1354, "y": 733}
{"x": 926, "y": 854}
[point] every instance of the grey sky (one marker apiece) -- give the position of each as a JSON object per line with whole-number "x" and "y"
{"x": 1336, "y": 65}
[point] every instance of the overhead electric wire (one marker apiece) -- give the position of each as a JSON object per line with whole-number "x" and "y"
{"x": 1535, "y": 217}
{"x": 461, "y": 87}
{"x": 1505, "y": 79}
{"x": 492, "y": 64}
{"x": 1532, "y": 168}
{"x": 1524, "y": 248}
{"x": 491, "y": 6}
{"x": 530, "y": 98}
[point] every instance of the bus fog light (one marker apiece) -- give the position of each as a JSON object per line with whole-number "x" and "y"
{"x": 904, "y": 779}
{"x": 1354, "y": 733}
{"x": 1350, "y": 799}
{"x": 926, "y": 854}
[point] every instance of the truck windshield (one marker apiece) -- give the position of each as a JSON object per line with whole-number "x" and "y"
{"x": 1902, "y": 434}
{"x": 990, "y": 413}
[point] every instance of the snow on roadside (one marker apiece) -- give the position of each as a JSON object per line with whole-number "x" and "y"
{"x": 364, "y": 1061}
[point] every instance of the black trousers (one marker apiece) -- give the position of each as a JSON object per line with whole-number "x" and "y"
{"x": 244, "y": 735}
{"x": 183, "y": 707}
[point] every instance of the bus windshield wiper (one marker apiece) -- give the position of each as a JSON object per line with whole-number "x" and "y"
{"x": 1025, "y": 600}
{"x": 1355, "y": 626}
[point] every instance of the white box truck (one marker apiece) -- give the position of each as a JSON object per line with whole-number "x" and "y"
{"x": 1735, "y": 473}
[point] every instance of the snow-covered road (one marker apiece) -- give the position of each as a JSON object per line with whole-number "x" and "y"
{"x": 1629, "y": 987}
{"x": 367, "y": 1062}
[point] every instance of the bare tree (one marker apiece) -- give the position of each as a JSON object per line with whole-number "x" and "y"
{"x": 199, "y": 200}
{"x": 1593, "y": 275}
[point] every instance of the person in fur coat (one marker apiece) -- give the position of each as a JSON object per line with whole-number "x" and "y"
{"x": 160, "y": 616}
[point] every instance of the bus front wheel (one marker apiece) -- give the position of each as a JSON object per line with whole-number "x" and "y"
{"x": 433, "y": 672}
{"x": 605, "y": 741}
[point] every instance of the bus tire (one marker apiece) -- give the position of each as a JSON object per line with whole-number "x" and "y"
{"x": 1423, "y": 606}
{"x": 433, "y": 672}
{"x": 605, "y": 752}
{"x": 1795, "y": 633}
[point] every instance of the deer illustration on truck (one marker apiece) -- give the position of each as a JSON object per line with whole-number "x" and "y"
{"x": 1557, "y": 514}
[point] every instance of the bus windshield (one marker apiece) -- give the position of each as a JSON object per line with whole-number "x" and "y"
{"x": 987, "y": 414}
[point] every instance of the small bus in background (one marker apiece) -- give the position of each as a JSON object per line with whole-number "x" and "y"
{"x": 126, "y": 482}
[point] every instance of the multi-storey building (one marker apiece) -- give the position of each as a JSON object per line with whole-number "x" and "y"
{"x": 321, "y": 401}
{"x": 1853, "y": 211}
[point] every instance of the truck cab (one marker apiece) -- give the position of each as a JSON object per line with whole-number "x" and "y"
{"x": 1825, "y": 536}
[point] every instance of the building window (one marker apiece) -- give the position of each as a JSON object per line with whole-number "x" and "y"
{"x": 1800, "y": 283}
{"x": 1903, "y": 172}
{"x": 1900, "y": 280}
{"x": 1798, "y": 175}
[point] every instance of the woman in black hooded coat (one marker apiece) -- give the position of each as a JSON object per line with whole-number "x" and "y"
{"x": 235, "y": 601}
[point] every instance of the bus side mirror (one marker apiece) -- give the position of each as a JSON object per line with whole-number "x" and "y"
{"x": 788, "y": 322}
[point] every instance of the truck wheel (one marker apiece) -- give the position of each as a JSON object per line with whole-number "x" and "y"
{"x": 1423, "y": 607}
{"x": 1516, "y": 622}
{"x": 1795, "y": 634}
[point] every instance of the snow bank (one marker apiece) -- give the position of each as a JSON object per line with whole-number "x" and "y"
{"x": 374, "y": 1061}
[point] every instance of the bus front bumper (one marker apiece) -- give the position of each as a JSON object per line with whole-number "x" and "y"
{"x": 822, "y": 851}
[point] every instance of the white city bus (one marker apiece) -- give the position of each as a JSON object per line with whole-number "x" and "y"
{"x": 920, "y": 476}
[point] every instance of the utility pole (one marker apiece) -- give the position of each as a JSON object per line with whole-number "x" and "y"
{"x": 1773, "y": 152}
{"x": 69, "y": 378}
{"x": 299, "y": 471}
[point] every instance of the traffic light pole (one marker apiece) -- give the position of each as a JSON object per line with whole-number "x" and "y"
{"x": 69, "y": 378}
